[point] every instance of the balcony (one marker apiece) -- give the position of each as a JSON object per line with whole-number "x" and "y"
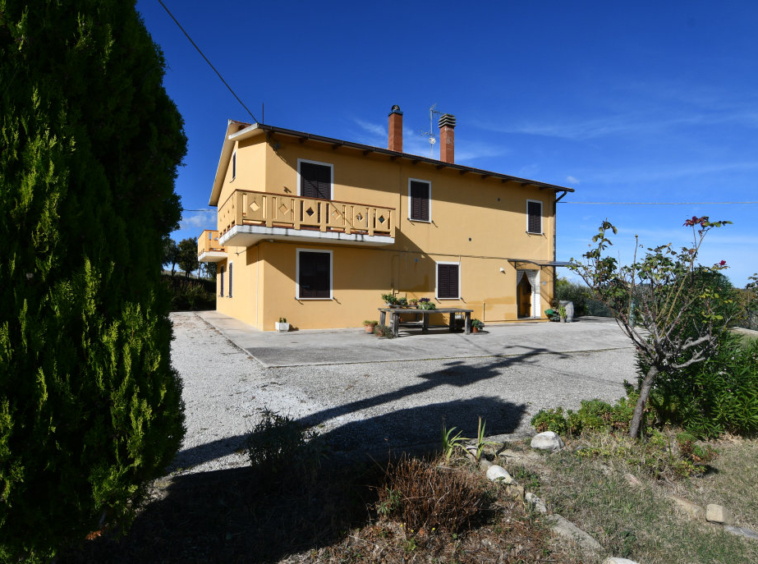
{"x": 248, "y": 217}
{"x": 208, "y": 247}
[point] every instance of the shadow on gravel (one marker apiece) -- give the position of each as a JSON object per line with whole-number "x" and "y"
{"x": 407, "y": 425}
{"x": 234, "y": 516}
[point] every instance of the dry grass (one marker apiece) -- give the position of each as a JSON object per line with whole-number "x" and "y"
{"x": 639, "y": 522}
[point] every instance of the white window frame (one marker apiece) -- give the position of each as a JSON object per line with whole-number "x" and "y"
{"x": 331, "y": 179}
{"x": 230, "y": 273}
{"x": 297, "y": 274}
{"x": 542, "y": 208}
{"x": 410, "y": 205}
{"x": 437, "y": 279}
{"x": 234, "y": 165}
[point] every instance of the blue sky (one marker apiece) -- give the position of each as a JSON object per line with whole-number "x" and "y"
{"x": 623, "y": 101}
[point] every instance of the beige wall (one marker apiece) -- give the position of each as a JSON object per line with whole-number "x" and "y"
{"x": 477, "y": 222}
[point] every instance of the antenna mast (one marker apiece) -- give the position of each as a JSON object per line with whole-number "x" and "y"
{"x": 430, "y": 133}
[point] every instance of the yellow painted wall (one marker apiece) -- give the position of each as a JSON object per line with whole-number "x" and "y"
{"x": 477, "y": 222}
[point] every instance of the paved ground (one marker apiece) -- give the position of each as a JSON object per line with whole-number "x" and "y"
{"x": 369, "y": 395}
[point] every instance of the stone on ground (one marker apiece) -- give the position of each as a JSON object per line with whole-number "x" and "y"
{"x": 690, "y": 509}
{"x": 741, "y": 531}
{"x": 633, "y": 480}
{"x": 535, "y": 503}
{"x": 567, "y": 529}
{"x": 718, "y": 514}
{"x": 547, "y": 441}
{"x": 499, "y": 474}
{"x": 617, "y": 560}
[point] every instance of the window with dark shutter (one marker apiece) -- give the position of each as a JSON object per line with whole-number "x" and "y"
{"x": 230, "y": 279}
{"x": 534, "y": 213}
{"x": 447, "y": 281}
{"x": 221, "y": 281}
{"x": 420, "y": 196}
{"x": 234, "y": 165}
{"x": 315, "y": 275}
{"x": 315, "y": 180}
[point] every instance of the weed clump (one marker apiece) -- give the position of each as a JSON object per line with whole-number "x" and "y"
{"x": 428, "y": 497}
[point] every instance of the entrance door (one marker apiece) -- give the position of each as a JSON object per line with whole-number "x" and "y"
{"x": 524, "y": 296}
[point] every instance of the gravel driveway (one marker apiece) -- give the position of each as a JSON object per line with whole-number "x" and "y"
{"x": 369, "y": 407}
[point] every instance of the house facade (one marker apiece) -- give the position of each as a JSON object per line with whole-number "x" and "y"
{"x": 314, "y": 230}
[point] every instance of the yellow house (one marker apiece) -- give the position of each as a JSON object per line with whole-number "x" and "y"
{"x": 314, "y": 230}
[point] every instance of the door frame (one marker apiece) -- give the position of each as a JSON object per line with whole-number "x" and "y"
{"x": 533, "y": 276}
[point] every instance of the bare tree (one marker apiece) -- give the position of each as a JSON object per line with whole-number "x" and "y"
{"x": 659, "y": 302}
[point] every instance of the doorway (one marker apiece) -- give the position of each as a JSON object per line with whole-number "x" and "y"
{"x": 526, "y": 301}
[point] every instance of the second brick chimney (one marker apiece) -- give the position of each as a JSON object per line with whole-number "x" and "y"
{"x": 447, "y": 138}
{"x": 396, "y": 129}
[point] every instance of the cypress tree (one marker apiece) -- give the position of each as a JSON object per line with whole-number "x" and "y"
{"x": 90, "y": 406}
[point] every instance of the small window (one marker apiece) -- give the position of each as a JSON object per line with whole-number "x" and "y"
{"x": 234, "y": 165}
{"x": 315, "y": 180}
{"x": 221, "y": 281}
{"x": 533, "y": 216}
{"x": 230, "y": 278}
{"x": 420, "y": 195}
{"x": 448, "y": 281}
{"x": 314, "y": 275}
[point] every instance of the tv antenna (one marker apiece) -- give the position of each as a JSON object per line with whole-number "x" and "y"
{"x": 430, "y": 133}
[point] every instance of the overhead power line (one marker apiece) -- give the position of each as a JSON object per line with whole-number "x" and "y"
{"x": 206, "y": 59}
{"x": 659, "y": 203}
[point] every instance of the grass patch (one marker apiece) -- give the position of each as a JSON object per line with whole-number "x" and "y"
{"x": 639, "y": 522}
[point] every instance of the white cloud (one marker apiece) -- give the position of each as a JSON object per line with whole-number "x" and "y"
{"x": 372, "y": 128}
{"x": 198, "y": 220}
{"x": 572, "y": 180}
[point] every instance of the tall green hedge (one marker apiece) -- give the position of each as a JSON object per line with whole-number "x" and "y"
{"x": 90, "y": 407}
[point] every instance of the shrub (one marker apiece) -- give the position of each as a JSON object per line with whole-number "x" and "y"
{"x": 716, "y": 396}
{"x": 425, "y": 496}
{"x": 593, "y": 415}
{"x": 191, "y": 296}
{"x": 90, "y": 407}
{"x": 279, "y": 445}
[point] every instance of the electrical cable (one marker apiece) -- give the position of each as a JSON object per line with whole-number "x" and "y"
{"x": 206, "y": 59}
{"x": 660, "y": 203}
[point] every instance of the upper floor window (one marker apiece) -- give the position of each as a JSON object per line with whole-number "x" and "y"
{"x": 420, "y": 196}
{"x": 448, "y": 280}
{"x": 234, "y": 165}
{"x": 533, "y": 216}
{"x": 314, "y": 275}
{"x": 315, "y": 179}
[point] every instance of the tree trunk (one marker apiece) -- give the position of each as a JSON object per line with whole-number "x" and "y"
{"x": 647, "y": 385}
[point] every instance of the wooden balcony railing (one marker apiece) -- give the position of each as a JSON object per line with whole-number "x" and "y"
{"x": 280, "y": 210}
{"x": 208, "y": 242}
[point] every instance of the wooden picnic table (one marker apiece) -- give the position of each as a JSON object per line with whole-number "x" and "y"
{"x": 396, "y": 311}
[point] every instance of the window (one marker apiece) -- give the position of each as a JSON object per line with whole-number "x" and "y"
{"x": 230, "y": 279}
{"x": 448, "y": 281}
{"x": 315, "y": 179}
{"x": 221, "y": 281}
{"x": 314, "y": 275}
{"x": 533, "y": 216}
{"x": 420, "y": 195}
{"x": 234, "y": 165}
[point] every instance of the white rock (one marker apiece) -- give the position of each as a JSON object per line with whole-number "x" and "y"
{"x": 741, "y": 531}
{"x": 498, "y": 473}
{"x": 535, "y": 503}
{"x": 567, "y": 529}
{"x": 718, "y": 514}
{"x": 485, "y": 464}
{"x": 692, "y": 510}
{"x": 617, "y": 560}
{"x": 547, "y": 441}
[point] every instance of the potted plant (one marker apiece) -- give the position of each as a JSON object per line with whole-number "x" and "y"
{"x": 562, "y": 313}
{"x": 426, "y": 303}
{"x": 402, "y": 302}
{"x": 390, "y": 300}
{"x": 369, "y": 325}
{"x": 282, "y": 326}
{"x": 383, "y": 331}
{"x": 477, "y": 325}
{"x": 413, "y": 303}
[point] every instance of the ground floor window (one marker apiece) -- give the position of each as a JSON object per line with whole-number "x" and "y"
{"x": 314, "y": 274}
{"x": 448, "y": 280}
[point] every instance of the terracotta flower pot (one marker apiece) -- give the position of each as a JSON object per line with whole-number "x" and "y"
{"x": 370, "y": 328}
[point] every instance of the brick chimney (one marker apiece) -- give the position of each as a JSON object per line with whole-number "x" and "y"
{"x": 396, "y": 129}
{"x": 447, "y": 138}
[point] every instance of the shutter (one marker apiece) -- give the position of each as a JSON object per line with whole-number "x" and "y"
{"x": 315, "y": 277}
{"x": 315, "y": 181}
{"x": 420, "y": 201}
{"x": 222, "y": 282}
{"x": 447, "y": 281}
{"x": 231, "y": 266}
{"x": 534, "y": 211}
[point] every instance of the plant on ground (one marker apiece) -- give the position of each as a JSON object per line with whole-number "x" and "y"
{"x": 593, "y": 415}
{"x": 278, "y": 446}
{"x": 90, "y": 406}
{"x": 673, "y": 316}
{"x": 480, "y": 440}
{"x": 479, "y": 325}
{"x": 424, "y": 496}
{"x": 384, "y": 331}
{"x": 450, "y": 442}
